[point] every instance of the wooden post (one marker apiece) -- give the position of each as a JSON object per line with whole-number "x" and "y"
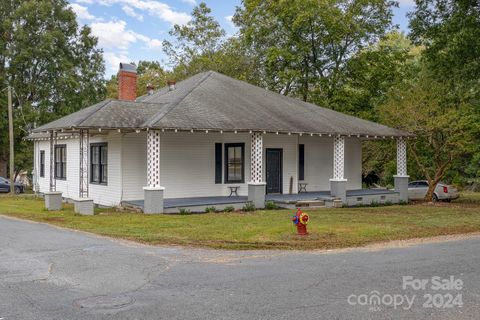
{"x": 10, "y": 133}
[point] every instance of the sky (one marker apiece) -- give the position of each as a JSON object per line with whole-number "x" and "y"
{"x": 133, "y": 30}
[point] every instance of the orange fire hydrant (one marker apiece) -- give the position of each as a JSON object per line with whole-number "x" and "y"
{"x": 300, "y": 219}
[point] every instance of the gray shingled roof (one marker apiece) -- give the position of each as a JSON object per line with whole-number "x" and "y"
{"x": 212, "y": 101}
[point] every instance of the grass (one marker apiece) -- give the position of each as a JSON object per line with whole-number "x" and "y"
{"x": 272, "y": 229}
{"x": 468, "y": 197}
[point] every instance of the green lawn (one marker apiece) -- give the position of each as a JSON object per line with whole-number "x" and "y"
{"x": 329, "y": 228}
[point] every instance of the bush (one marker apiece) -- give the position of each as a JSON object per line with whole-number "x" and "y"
{"x": 374, "y": 204}
{"x": 249, "y": 206}
{"x": 210, "y": 209}
{"x": 270, "y": 205}
{"x": 229, "y": 209}
{"x": 184, "y": 211}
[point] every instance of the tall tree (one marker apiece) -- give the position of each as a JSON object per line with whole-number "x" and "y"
{"x": 195, "y": 43}
{"x": 52, "y": 64}
{"x": 304, "y": 45}
{"x": 450, "y": 32}
{"x": 444, "y": 130}
{"x": 372, "y": 71}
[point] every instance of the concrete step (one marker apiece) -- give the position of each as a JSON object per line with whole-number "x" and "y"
{"x": 131, "y": 206}
{"x": 310, "y": 204}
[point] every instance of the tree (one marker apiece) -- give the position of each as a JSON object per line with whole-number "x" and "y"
{"x": 150, "y": 73}
{"x": 450, "y": 32}
{"x": 444, "y": 131}
{"x": 195, "y": 43}
{"x": 303, "y": 45}
{"x": 52, "y": 64}
{"x": 372, "y": 71}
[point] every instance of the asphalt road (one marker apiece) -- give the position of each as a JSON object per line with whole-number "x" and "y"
{"x": 51, "y": 273}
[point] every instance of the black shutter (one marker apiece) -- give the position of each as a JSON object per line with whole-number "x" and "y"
{"x": 42, "y": 163}
{"x": 218, "y": 163}
{"x": 301, "y": 162}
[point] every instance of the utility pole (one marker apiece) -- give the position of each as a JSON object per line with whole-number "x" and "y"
{"x": 10, "y": 132}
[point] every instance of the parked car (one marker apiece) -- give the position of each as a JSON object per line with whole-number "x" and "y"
{"x": 418, "y": 189}
{"x": 5, "y": 186}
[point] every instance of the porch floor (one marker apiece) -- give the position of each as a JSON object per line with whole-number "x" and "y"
{"x": 280, "y": 198}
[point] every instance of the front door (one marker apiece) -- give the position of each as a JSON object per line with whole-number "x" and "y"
{"x": 274, "y": 170}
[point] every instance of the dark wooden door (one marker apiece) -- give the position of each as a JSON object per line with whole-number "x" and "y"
{"x": 274, "y": 170}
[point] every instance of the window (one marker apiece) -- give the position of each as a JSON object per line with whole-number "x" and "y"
{"x": 218, "y": 163}
{"x": 61, "y": 161}
{"x": 301, "y": 162}
{"x": 234, "y": 162}
{"x": 42, "y": 163}
{"x": 98, "y": 163}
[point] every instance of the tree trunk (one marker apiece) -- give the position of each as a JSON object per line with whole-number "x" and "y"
{"x": 432, "y": 184}
{"x": 431, "y": 189}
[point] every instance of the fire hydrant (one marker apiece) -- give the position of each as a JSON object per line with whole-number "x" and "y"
{"x": 300, "y": 219}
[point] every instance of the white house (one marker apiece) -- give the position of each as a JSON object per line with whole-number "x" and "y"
{"x": 208, "y": 140}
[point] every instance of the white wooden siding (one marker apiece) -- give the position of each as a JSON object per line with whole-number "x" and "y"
{"x": 110, "y": 194}
{"x": 134, "y": 165}
{"x": 319, "y": 162}
{"x": 188, "y": 164}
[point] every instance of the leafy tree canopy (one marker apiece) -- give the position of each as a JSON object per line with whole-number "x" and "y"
{"x": 303, "y": 45}
{"x": 52, "y": 64}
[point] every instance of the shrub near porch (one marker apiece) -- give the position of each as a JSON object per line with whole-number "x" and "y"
{"x": 329, "y": 228}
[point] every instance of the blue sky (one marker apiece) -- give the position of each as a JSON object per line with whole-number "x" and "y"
{"x": 132, "y": 30}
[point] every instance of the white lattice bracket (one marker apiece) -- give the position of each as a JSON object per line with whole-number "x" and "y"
{"x": 83, "y": 174}
{"x": 256, "y": 154}
{"x": 401, "y": 157}
{"x": 338, "y": 157}
{"x": 153, "y": 158}
{"x": 53, "y": 142}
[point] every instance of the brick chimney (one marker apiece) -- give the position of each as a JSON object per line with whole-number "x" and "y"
{"x": 127, "y": 82}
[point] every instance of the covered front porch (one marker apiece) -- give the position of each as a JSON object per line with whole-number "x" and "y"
{"x": 289, "y": 201}
{"x": 267, "y": 167}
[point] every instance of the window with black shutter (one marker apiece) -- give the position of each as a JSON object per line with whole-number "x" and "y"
{"x": 234, "y": 162}
{"x": 99, "y": 163}
{"x": 61, "y": 161}
{"x": 42, "y": 163}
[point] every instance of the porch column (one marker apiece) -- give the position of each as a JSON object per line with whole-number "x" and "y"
{"x": 256, "y": 186}
{"x": 401, "y": 178}
{"x": 36, "y": 164}
{"x": 83, "y": 205}
{"x": 338, "y": 184}
{"x": 53, "y": 199}
{"x": 153, "y": 192}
